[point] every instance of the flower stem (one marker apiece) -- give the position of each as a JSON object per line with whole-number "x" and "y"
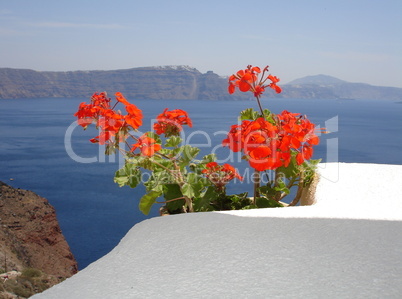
{"x": 259, "y": 105}
{"x": 300, "y": 188}
{"x": 170, "y": 200}
{"x": 257, "y": 182}
{"x": 257, "y": 177}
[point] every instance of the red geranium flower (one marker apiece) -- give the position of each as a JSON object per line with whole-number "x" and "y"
{"x": 269, "y": 146}
{"x": 89, "y": 113}
{"x": 251, "y": 79}
{"x": 110, "y": 122}
{"x": 134, "y": 115}
{"x": 263, "y": 158}
{"x": 273, "y": 85}
{"x": 171, "y": 122}
{"x": 298, "y": 134}
{"x": 220, "y": 175}
{"x": 235, "y": 137}
{"x": 147, "y": 146}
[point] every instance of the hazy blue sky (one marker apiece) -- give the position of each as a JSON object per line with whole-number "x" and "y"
{"x": 354, "y": 40}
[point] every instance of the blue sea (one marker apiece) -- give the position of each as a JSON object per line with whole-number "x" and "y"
{"x": 42, "y": 150}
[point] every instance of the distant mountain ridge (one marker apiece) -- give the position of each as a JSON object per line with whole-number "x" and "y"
{"x": 328, "y": 87}
{"x": 317, "y": 79}
{"x": 172, "y": 82}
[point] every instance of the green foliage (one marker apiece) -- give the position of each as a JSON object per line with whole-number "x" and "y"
{"x": 188, "y": 190}
{"x": 310, "y": 168}
{"x": 263, "y": 202}
{"x": 224, "y": 202}
{"x": 188, "y": 154}
{"x": 288, "y": 177}
{"x": 208, "y": 158}
{"x": 269, "y": 116}
{"x": 173, "y": 197}
{"x": 238, "y": 201}
{"x": 249, "y": 114}
{"x": 203, "y": 203}
{"x": 175, "y": 174}
{"x": 147, "y": 201}
{"x": 129, "y": 175}
{"x": 173, "y": 141}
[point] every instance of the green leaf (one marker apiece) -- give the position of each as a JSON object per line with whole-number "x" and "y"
{"x": 269, "y": 116}
{"x": 263, "y": 202}
{"x": 249, "y": 207}
{"x": 309, "y": 169}
{"x": 171, "y": 192}
{"x": 283, "y": 189}
{"x": 238, "y": 201}
{"x": 249, "y": 114}
{"x": 173, "y": 141}
{"x": 167, "y": 152}
{"x": 311, "y": 164}
{"x": 121, "y": 181}
{"x": 281, "y": 186}
{"x": 120, "y": 177}
{"x": 203, "y": 203}
{"x": 129, "y": 175}
{"x": 147, "y": 201}
{"x": 157, "y": 180}
{"x": 267, "y": 189}
{"x": 188, "y": 153}
{"x": 135, "y": 178}
{"x": 209, "y": 158}
{"x": 197, "y": 182}
{"x": 192, "y": 178}
{"x": 161, "y": 164}
{"x": 143, "y": 162}
{"x": 188, "y": 190}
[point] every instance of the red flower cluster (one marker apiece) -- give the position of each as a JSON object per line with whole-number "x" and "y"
{"x": 110, "y": 122}
{"x": 269, "y": 146}
{"x": 220, "y": 175}
{"x": 298, "y": 133}
{"x": 134, "y": 115}
{"x": 171, "y": 122}
{"x": 89, "y": 113}
{"x": 249, "y": 80}
{"x": 147, "y": 146}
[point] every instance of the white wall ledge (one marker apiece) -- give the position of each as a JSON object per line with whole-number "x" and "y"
{"x": 348, "y": 191}
{"x": 279, "y": 252}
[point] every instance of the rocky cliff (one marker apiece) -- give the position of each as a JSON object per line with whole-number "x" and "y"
{"x": 172, "y": 82}
{"x": 159, "y": 83}
{"x": 30, "y": 236}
